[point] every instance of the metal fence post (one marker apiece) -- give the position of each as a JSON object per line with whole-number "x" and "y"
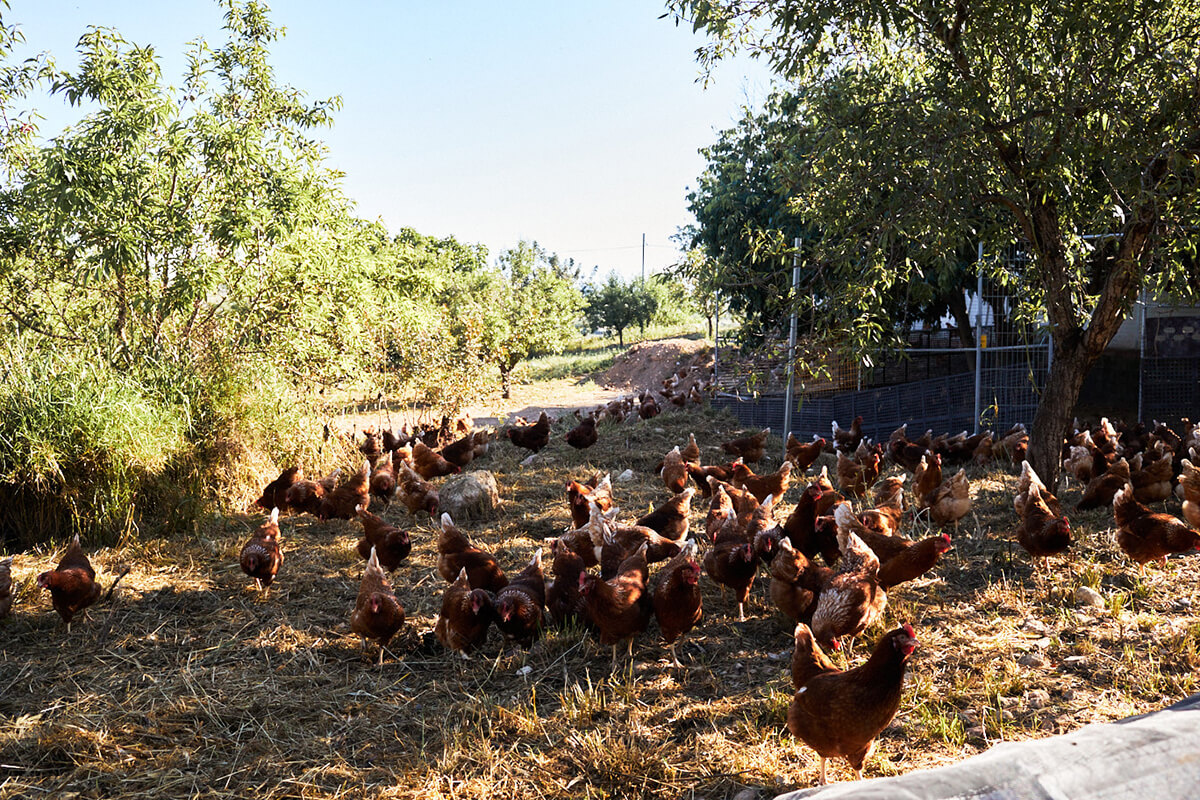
{"x": 716, "y": 340}
{"x": 791, "y": 365}
{"x": 1141, "y": 318}
{"x": 978, "y": 334}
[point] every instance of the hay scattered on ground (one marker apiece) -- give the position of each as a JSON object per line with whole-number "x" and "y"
{"x": 191, "y": 684}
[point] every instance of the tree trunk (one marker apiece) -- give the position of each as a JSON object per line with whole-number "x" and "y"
{"x": 1077, "y": 348}
{"x": 1051, "y": 424}
{"x": 621, "y": 337}
{"x": 957, "y": 304}
{"x": 505, "y": 381}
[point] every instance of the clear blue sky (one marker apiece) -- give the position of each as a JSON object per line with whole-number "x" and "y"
{"x": 575, "y": 124}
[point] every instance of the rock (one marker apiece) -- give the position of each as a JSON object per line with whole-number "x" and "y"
{"x": 747, "y": 794}
{"x": 1037, "y": 698}
{"x": 471, "y": 496}
{"x": 1032, "y": 660}
{"x": 529, "y": 461}
{"x": 625, "y": 477}
{"x": 1087, "y": 596}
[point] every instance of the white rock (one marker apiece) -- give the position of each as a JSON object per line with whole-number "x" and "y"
{"x": 530, "y": 461}
{"x": 1087, "y": 596}
{"x": 525, "y": 670}
{"x": 625, "y": 477}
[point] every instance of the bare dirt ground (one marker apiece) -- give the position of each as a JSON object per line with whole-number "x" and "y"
{"x": 643, "y": 367}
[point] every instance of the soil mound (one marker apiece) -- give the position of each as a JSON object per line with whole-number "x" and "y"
{"x": 647, "y": 364}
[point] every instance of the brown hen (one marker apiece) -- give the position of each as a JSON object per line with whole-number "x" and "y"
{"x": 261, "y": 556}
{"x": 377, "y": 615}
{"x": 839, "y": 714}
{"x": 72, "y": 583}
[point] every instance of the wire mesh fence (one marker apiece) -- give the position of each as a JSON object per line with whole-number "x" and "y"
{"x": 946, "y": 379}
{"x": 990, "y": 377}
{"x": 1169, "y": 381}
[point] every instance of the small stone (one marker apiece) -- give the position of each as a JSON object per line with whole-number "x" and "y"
{"x": 1035, "y": 625}
{"x": 1067, "y": 694}
{"x": 1037, "y": 698}
{"x": 529, "y": 461}
{"x": 1182, "y": 604}
{"x": 968, "y": 716}
{"x": 660, "y": 430}
{"x": 976, "y": 732}
{"x": 1073, "y": 660}
{"x": 1087, "y": 596}
{"x": 525, "y": 670}
{"x": 625, "y": 477}
{"x": 1008, "y": 702}
{"x": 747, "y": 794}
{"x": 1032, "y": 660}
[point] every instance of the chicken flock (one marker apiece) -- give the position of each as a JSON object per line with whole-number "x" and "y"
{"x": 830, "y": 563}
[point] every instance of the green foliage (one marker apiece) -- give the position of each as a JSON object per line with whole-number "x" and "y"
{"x": 529, "y": 305}
{"x": 79, "y": 435}
{"x": 748, "y": 219}
{"x": 936, "y": 124}
{"x": 185, "y": 263}
{"x": 616, "y": 305}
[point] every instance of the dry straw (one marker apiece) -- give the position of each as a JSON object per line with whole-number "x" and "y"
{"x": 189, "y": 683}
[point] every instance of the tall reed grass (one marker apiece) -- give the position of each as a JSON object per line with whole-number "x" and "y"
{"x": 86, "y": 448}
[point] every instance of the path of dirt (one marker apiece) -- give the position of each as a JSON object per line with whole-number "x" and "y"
{"x": 643, "y": 366}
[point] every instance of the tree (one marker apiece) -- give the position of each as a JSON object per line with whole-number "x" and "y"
{"x": 527, "y": 306}
{"x": 1037, "y": 122}
{"x": 615, "y": 305}
{"x": 158, "y": 227}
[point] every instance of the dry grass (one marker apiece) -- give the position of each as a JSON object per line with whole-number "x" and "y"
{"x": 190, "y": 684}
